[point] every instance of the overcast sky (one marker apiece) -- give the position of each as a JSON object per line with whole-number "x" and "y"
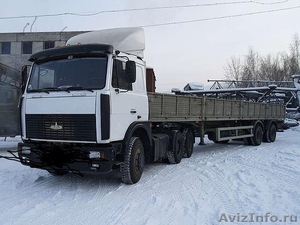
{"x": 179, "y": 53}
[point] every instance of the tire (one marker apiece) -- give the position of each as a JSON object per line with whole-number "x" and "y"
{"x": 257, "y": 135}
{"x": 188, "y": 142}
{"x": 175, "y": 152}
{"x": 134, "y": 160}
{"x": 271, "y": 133}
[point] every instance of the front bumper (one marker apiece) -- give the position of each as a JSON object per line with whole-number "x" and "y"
{"x": 66, "y": 157}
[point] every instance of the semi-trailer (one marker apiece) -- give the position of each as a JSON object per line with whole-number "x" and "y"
{"x": 91, "y": 106}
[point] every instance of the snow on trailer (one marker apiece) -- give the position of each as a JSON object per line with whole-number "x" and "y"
{"x": 86, "y": 109}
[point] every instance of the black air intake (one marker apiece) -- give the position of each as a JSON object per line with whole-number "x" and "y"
{"x": 71, "y": 127}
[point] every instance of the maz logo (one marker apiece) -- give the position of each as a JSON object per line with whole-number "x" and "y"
{"x": 56, "y": 127}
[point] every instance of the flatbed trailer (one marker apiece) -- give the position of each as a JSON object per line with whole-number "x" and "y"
{"x": 176, "y": 108}
{"x": 221, "y": 119}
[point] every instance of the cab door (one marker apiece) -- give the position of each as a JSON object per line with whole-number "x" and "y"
{"x": 129, "y": 101}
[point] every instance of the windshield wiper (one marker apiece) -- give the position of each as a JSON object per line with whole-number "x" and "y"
{"x": 67, "y": 89}
{"x": 56, "y": 89}
{"x": 79, "y": 88}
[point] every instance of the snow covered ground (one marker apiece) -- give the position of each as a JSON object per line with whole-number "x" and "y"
{"x": 217, "y": 185}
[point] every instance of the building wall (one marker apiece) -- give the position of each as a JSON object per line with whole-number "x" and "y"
{"x": 16, "y": 59}
{"x": 10, "y": 72}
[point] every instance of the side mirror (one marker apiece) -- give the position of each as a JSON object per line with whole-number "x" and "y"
{"x": 130, "y": 71}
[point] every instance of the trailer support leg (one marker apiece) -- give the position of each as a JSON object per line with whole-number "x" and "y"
{"x": 201, "y": 134}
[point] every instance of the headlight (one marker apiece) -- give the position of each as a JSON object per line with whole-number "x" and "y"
{"x": 26, "y": 150}
{"x": 94, "y": 155}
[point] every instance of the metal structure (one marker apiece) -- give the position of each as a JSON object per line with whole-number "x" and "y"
{"x": 280, "y": 91}
{"x": 10, "y": 89}
{"x": 222, "y": 84}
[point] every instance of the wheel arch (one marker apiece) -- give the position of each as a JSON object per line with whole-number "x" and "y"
{"x": 141, "y": 130}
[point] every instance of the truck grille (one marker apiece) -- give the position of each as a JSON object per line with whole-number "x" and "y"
{"x": 61, "y": 127}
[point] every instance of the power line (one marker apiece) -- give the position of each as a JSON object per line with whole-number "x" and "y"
{"x": 143, "y": 9}
{"x": 222, "y": 17}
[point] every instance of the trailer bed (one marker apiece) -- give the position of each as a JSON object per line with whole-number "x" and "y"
{"x": 178, "y": 108}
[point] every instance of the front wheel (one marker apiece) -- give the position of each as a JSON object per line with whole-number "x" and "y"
{"x": 134, "y": 161}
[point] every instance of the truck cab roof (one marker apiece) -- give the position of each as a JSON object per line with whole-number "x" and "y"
{"x": 130, "y": 40}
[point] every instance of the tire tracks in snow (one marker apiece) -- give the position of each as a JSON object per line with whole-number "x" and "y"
{"x": 166, "y": 194}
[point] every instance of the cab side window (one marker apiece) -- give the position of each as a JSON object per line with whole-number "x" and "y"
{"x": 119, "y": 79}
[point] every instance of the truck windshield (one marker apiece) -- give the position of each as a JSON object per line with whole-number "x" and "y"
{"x": 68, "y": 74}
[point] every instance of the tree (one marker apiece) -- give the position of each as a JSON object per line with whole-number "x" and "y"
{"x": 250, "y": 68}
{"x": 279, "y": 67}
{"x": 233, "y": 69}
{"x": 295, "y": 55}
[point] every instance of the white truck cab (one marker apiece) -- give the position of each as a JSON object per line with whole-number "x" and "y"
{"x": 87, "y": 95}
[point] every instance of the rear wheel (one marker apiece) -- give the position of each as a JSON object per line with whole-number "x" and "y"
{"x": 271, "y": 133}
{"x": 257, "y": 135}
{"x": 188, "y": 142}
{"x": 175, "y": 152}
{"x": 134, "y": 161}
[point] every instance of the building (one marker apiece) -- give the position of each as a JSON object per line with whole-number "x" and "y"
{"x": 15, "y": 50}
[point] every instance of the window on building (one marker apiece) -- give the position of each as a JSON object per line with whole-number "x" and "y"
{"x": 49, "y": 44}
{"x": 5, "y": 48}
{"x": 27, "y": 47}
